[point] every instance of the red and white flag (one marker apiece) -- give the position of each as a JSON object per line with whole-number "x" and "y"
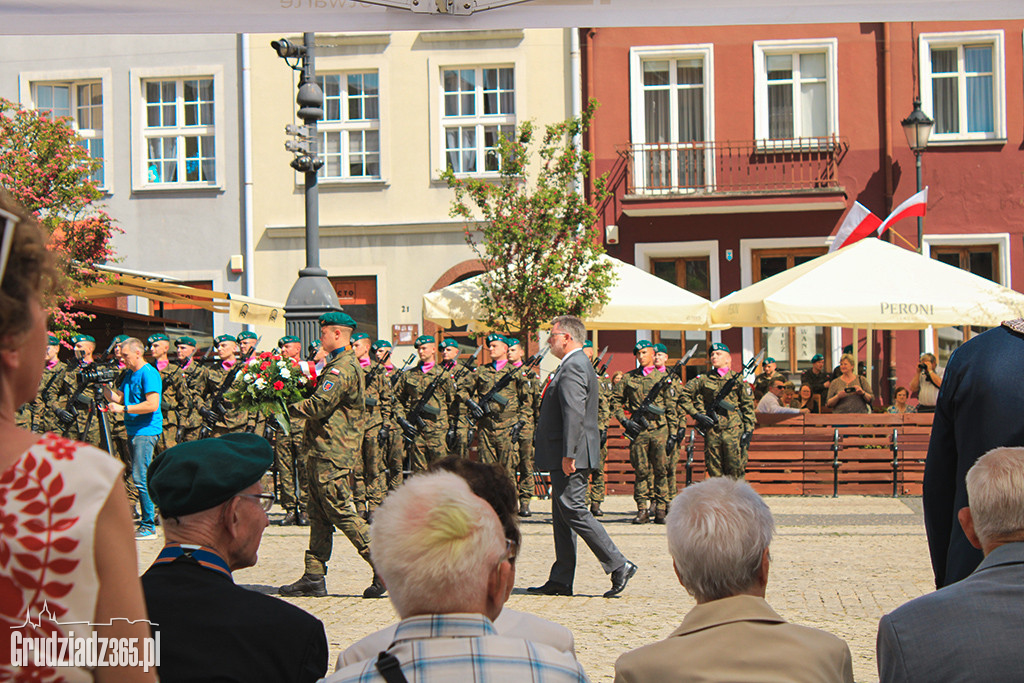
{"x": 915, "y": 206}
{"x": 858, "y": 224}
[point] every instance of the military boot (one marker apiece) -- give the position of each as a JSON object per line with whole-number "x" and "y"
{"x": 659, "y": 516}
{"x": 375, "y": 589}
{"x": 595, "y": 509}
{"x": 642, "y": 515}
{"x": 308, "y": 586}
{"x": 524, "y": 509}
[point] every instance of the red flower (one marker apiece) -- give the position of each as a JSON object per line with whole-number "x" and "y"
{"x": 62, "y": 449}
{"x": 266, "y": 354}
{"x": 278, "y": 385}
{"x": 264, "y": 365}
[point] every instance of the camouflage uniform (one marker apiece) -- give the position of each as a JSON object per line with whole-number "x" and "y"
{"x": 763, "y": 381}
{"x": 189, "y": 420}
{"x": 596, "y": 493}
{"x": 722, "y": 452}
{"x": 331, "y": 442}
{"x": 501, "y": 413}
{"x": 174, "y": 404}
{"x": 371, "y": 482}
{"x": 42, "y": 408}
{"x": 458, "y": 413}
{"x": 672, "y": 457}
{"x": 647, "y": 452}
{"x": 528, "y": 387}
{"x": 233, "y": 420}
{"x": 428, "y": 446}
{"x": 82, "y": 429}
{"x": 395, "y": 456}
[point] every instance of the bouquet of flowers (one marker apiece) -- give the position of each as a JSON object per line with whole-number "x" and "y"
{"x": 268, "y": 384}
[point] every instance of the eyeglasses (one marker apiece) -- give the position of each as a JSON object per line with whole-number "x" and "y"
{"x": 264, "y": 500}
{"x": 557, "y": 334}
{"x": 511, "y": 551}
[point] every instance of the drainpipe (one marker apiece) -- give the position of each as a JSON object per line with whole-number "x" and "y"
{"x": 886, "y": 132}
{"x": 576, "y": 75}
{"x": 249, "y": 251}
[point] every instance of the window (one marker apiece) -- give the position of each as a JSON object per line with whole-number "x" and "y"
{"x": 693, "y": 274}
{"x": 358, "y": 297}
{"x": 350, "y": 129}
{"x": 82, "y": 104}
{"x": 672, "y": 118}
{"x": 980, "y": 259}
{"x": 795, "y": 91}
{"x": 962, "y": 85}
{"x": 478, "y": 105}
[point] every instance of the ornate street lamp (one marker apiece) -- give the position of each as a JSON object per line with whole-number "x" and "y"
{"x": 918, "y": 128}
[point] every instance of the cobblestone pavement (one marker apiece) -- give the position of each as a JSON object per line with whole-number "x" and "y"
{"x": 837, "y": 564}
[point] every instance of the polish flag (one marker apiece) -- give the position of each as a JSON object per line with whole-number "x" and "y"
{"x": 858, "y": 224}
{"x": 915, "y": 206}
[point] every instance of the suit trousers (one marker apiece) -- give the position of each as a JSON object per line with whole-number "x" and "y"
{"x": 571, "y": 517}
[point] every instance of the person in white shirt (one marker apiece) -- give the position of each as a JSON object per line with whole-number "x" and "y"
{"x": 772, "y": 403}
{"x": 926, "y": 383}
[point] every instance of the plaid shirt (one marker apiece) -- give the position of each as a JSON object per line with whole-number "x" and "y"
{"x": 465, "y": 647}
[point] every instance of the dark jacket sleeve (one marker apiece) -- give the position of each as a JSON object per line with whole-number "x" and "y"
{"x": 572, "y": 396}
{"x": 940, "y": 475}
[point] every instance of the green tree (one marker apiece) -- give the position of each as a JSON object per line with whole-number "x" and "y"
{"x": 47, "y": 170}
{"x": 536, "y": 239}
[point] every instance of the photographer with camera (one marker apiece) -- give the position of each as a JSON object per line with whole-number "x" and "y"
{"x": 138, "y": 398}
{"x": 926, "y": 382}
{"x": 73, "y": 405}
{"x": 849, "y": 392}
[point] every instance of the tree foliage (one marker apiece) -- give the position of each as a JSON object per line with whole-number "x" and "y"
{"x": 537, "y": 240}
{"x": 47, "y": 170}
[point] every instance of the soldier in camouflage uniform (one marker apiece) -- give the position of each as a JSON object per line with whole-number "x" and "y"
{"x": 764, "y": 379}
{"x": 596, "y": 492}
{"x": 41, "y": 410}
{"x": 429, "y": 444}
{"x": 371, "y": 479}
{"x": 724, "y": 450}
{"x": 196, "y": 377}
{"x": 256, "y": 422}
{"x": 502, "y": 412}
{"x": 288, "y": 457}
{"x": 459, "y": 420}
{"x": 175, "y": 399}
{"x": 647, "y": 451}
{"x": 332, "y": 440}
{"x": 392, "y": 445}
{"x": 233, "y": 420}
{"x": 528, "y": 388}
{"x": 75, "y": 421}
{"x": 676, "y": 392}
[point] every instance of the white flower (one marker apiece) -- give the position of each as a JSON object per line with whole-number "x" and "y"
{"x": 284, "y": 373}
{"x": 260, "y": 383}
{"x": 252, "y": 361}
{"x": 247, "y": 377}
{"x": 302, "y": 379}
{"x": 281, "y": 364}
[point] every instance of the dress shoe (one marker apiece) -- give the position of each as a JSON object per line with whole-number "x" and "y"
{"x": 595, "y": 509}
{"x": 375, "y": 589}
{"x": 308, "y": 586}
{"x": 620, "y": 577}
{"x": 524, "y": 509}
{"x": 642, "y": 516}
{"x": 659, "y": 516}
{"x": 550, "y": 588}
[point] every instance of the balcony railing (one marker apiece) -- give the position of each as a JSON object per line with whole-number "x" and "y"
{"x": 738, "y": 167}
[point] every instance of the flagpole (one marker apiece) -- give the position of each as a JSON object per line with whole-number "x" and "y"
{"x": 905, "y": 240}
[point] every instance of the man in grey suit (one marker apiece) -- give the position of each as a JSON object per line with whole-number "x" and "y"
{"x": 973, "y": 629}
{"x": 567, "y": 444}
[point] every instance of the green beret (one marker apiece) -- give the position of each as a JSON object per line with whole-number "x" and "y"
{"x": 719, "y": 346}
{"x": 52, "y": 341}
{"x": 424, "y": 339}
{"x": 246, "y": 335}
{"x": 512, "y": 341}
{"x": 159, "y": 336}
{"x": 288, "y": 339}
{"x": 816, "y": 357}
{"x": 660, "y": 348}
{"x": 642, "y": 344}
{"x": 768, "y": 360}
{"x": 120, "y": 338}
{"x": 448, "y": 342}
{"x": 198, "y": 475}
{"x": 185, "y": 341}
{"x": 84, "y": 337}
{"x": 315, "y": 344}
{"x": 588, "y": 344}
{"x": 380, "y": 344}
{"x": 224, "y": 338}
{"x": 337, "y": 318}
{"x": 359, "y": 335}
{"x": 495, "y": 337}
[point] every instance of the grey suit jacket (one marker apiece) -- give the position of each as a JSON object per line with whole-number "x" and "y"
{"x": 567, "y": 420}
{"x": 970, "y": 631}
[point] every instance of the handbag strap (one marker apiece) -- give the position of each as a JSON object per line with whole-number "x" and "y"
{"x": 388, "y": 666}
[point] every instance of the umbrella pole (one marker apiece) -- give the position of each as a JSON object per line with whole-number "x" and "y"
{"x": 871, "y": 347}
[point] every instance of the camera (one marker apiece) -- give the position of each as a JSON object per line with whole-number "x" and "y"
{"x": 98, "y": 373}
{"x": 922, "y": 366}
{"x": 850, "y": 390}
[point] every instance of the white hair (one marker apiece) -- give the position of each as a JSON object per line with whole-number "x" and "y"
{"x": 717, "y": 533}
{"x": 995, "y": 494}
{"x": 133, "y": 344}
{"x": 435, "y": 543}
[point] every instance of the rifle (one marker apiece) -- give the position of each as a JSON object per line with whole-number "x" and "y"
{"x": 597, "y": 361}
{"x": 604, "y": 367}
{"x": 217, "y": 410}
{"x": 377, "y": 368}
{"x": 478, "y": 410}
{"x": 719, "y": 406}
{"x": 413, "y": 422}
{"x": 408, "y": 362}
{"x": 638, "y": 422}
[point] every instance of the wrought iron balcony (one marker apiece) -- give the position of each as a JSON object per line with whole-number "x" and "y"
{"x": 733, "y": 167}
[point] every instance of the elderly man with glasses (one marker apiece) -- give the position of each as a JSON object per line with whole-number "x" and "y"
{"x": 214, "y": 512}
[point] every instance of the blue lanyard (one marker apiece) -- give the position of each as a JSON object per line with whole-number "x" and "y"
{"x": 206, "y": 557}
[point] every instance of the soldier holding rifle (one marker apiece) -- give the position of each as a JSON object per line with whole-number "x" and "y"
{"x": 195, "y": 375}
{"x": 427, "y": 391}
{"x": 371, "y": 481}
{"x": 288, "y": 459}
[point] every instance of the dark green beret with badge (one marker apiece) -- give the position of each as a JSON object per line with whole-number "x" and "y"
{"x": 660, "y": 348}
{"x": 185, "y": 341}
{"x": 246, "y": 334}
{"x": 719, "y": 346}
{"x": 119, "y": 338}
{"x": 380, "y": 344}
{"x": 449, "y": 342}
{"x": 495, "y": 337}
{"x": 223, "y": 338}
{"x": 288, "y": 339}
{"x": 642, "y": 344}
{"x": 337, "y": 318}
{"x": 512, "y": 341}
{"x": 424, "y": 339}
{"x": 816, "y": 357}
{"x": 52, "y": 341}
{"x": 360, "y": 335}
{"x": 588, "y": 344}
{"x": 198, "y": 475}
{"x": 159, "y": 336}
{"x": 768, "y": 360}
{"x": 84, "y": 337}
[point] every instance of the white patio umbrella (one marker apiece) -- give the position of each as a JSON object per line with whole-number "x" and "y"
{"x": 638, "y": 301}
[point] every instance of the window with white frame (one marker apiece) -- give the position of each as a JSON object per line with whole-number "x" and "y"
{"x": 179, "y": 131}
{"x": 478, "y": 105}
{"x": 350, "y": 129}
{"x": 962, "y": 85}
{"x": 795, "y": 90}
{"x": 82, "y": 104}
{"x": 672, "y": 120}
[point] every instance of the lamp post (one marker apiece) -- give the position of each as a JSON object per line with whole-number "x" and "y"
{"x": 312, "y": 294}
{"x": 918, "y": 128}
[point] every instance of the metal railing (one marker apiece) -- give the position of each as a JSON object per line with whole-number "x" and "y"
{"x": 740, "y": 167}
